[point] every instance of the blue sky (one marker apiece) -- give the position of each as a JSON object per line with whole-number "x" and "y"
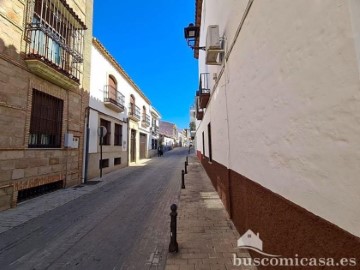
{"x": 146, "y": 38}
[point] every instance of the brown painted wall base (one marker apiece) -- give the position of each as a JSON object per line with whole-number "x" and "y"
{"x": 285, "y": 228}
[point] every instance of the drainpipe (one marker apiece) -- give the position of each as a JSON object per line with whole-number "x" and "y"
{"x": 87, "y": 138}
{"x": 128, "y": 142}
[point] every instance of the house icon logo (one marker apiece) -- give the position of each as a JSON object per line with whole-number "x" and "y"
{"x": 252, "y": 241}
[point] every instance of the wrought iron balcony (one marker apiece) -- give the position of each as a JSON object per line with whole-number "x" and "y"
{"x": 134, "y": 112}
{"x": 155, "y": 130}
{"x": 145, "y": 120}
{"x": 204, "y": 90}
{"x": 113, "y": 99}
{"x": 55, "y": 38}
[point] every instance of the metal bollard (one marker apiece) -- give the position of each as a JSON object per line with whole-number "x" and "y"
{"x": 173, "y": 247}
{"x": 187, "y": 160}
{"x": 185, "y": 167}
{"x": 182, "y": 179}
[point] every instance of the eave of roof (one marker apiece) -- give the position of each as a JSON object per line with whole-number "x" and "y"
{"x": 155, "y": 112}
{"x": 117, "y": 66}
{"x": 198, "y": 10}
{"x": 73, "y": 13}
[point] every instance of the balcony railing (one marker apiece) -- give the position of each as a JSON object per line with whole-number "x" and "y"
{"x": 154, "y": 130}
{"x": 204, "y": 90}
{"x": 134, "y": 112}
{"x": 55, "y": 37}
{"x": 113, "y": 99}
{"x": 145, "y": 120}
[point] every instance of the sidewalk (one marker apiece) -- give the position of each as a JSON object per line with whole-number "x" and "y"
{"x": 206, "y": 236}
{"x": 35, "y": 207}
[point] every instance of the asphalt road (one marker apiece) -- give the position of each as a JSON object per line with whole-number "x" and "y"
{"x": 121, "y": 225}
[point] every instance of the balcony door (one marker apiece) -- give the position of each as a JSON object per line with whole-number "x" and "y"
{"x": 112, "y": 88}
{"x": 143, "y": 140}
{"x": 132, "y": 105}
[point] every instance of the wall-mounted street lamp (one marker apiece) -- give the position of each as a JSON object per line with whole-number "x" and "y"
{"x": 191, "y": 34}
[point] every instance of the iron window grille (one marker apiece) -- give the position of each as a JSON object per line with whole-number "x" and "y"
{"x": 117, "y": 161}
{"x": 146, "y": 119}
{"x": 104, "y": 163}
{"x": 134, "y": 110}
{"x": 118, "y": 135}
{"x": 55, "y": 35}
{"x": 46, "y": 121}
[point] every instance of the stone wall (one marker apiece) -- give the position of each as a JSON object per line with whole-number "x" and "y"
{"x": 22, "y": 167}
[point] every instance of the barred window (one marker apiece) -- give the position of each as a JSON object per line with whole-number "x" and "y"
{"x": 46, "y": 121}
{"x": 55, "y": 35}
{"x": 118, "y": 135}
{"x": 107, "y": 125}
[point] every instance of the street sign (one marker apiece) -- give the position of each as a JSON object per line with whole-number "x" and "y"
{"x": 102, "y": 131}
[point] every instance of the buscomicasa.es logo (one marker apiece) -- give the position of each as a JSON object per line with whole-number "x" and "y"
{"x": 252, "y": 241}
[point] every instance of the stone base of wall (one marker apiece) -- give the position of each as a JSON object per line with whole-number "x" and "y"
{"x": 284, "y": 227}
{"x": 6, "y": 197}
{"x": 152, "y": 153}
{"x": 93, "y": 167}
{"x": 22, "y": 167}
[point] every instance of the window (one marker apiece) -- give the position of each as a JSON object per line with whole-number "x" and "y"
{"x": 107, "y": 125}
{"x": 209, "y": 142}
{"x": 117, "y": 161}
{"x": 118, "y": 134}
{"x": 112, "y": 88}
{"x": 45, "y": 121}
{"x": 55, "y": 35}
{"x": 154, "y": 144}
{"x": 104, "y": 163}
{"x": 132, "y": 105}
{"x": 203, "y": 143}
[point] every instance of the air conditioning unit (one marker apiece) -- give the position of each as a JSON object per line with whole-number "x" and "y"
{"x": 215, "y": 76}
{"x": 213, "y": 45}
{"x": 213, "y": 38}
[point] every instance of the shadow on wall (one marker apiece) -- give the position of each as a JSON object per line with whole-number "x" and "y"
{"x": 10, "y": 51}
{"x": 98, "y": 102}
{"x": 15, "y": 77}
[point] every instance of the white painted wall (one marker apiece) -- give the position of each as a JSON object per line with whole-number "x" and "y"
{"x": 290, "y": 97}
{"x": 100, "y": 71}
{"x": 168, "y": 141}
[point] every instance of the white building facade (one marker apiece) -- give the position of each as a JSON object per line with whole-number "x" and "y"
{"x": 154, "y": 137}
{"x": 117, "y": 104}
{"x": 278, "y": 110}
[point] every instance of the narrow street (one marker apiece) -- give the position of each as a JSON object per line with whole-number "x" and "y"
{"x": 123, "y": 224}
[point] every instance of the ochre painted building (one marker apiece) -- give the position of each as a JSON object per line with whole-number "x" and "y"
{"x": 45, "y": 50}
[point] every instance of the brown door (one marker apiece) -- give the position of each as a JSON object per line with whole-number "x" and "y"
{"x": 142, "y": 146}
{"x": 133, "y": 146}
